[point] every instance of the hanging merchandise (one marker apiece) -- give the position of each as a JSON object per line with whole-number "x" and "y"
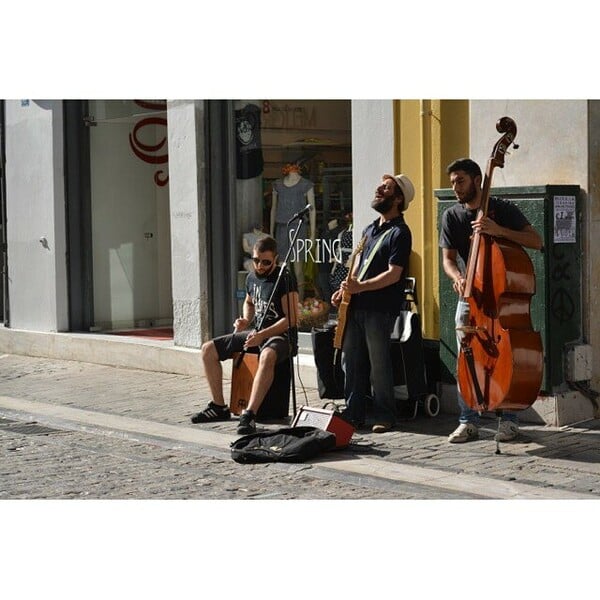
{"x": 249, "y": 155}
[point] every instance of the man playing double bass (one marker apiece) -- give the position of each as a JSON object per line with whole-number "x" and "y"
{"x": 459, "y": 222}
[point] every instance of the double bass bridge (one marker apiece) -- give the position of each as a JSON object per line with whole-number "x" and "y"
{"x": 487, "y": 341}
{"x": 471, "y": 329}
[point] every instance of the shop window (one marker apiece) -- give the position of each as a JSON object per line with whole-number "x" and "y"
{"x": 301, "y": 152}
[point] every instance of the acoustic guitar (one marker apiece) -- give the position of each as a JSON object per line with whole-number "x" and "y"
{"x": 338, "y": 338}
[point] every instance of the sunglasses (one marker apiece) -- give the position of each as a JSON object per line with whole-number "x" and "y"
{"x": 264, "y": 262}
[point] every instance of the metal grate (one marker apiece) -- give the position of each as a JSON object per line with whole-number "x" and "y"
{"x": 31, "y": 428}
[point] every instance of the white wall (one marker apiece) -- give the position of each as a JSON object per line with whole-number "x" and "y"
{"x": 36, "y": 209}
{"x": 552, "y": 137}
{"x": 189, "y": 251}
{"x": 372, "y": 156}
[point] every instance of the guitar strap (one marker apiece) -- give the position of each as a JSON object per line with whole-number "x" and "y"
{"x": 369, "y": 258}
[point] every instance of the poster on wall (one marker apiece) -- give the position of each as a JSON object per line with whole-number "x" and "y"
{"x": 564, "y": 220}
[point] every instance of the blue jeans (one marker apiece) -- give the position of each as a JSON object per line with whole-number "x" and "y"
{"x": 367, "y": 365}
{"x": 468, "y": 415}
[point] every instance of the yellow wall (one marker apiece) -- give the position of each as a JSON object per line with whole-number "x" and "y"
{"x": 429, "y": 134}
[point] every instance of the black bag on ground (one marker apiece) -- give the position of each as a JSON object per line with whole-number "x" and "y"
{"x": 330, "y": 376}
{"x": 290, "y": 444}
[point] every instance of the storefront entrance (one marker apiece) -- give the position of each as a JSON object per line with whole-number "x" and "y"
{"x": 129, "y": 208}
{"x": 290, "y": 153}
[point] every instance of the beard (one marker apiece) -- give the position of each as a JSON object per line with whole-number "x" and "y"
{"x": 265, "y": 274}
{"x": 470, "y": 194}
{"x": 382, "y": 206}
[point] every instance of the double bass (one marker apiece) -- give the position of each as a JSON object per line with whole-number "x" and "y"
{"x": 500, "y": 363}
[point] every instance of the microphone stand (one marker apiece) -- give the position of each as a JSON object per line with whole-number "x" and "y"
{"x": 283, "y": 272}
{"x": 284, "y": 268}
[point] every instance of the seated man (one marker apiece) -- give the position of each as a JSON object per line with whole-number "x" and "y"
{"x": 271, "y": 340}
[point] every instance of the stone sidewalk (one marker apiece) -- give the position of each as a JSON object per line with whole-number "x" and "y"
{"x": 545, "y": 462}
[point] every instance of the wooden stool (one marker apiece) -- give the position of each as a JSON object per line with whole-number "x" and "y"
{"x": 276, "y": 404}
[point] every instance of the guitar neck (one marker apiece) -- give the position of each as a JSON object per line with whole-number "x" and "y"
{"x": 345, "y": 303}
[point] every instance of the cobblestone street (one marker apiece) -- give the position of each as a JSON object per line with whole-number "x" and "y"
{"x": 55, "y": 464}
{"x": 80, "y": 431}
{"x": 111, "y": 428}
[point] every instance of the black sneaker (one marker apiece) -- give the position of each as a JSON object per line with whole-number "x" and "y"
{"x": 213, "y": 412}
{"x": 407, "y": 409}
{"x": 247, "y": 423}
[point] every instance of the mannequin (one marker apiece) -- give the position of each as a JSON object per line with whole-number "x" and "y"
{"x": 249, "y": 239}
{"x": 290, "y": 195}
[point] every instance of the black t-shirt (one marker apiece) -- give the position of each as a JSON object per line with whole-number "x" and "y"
{"x": 456, "y": 230}
{"x": 249, "y": 155}
{"x": 394, "y": 250}
{"x": 260, "y": 291}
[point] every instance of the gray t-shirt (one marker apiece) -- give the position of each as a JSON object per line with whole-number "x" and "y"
{"x": 290, "y": 200}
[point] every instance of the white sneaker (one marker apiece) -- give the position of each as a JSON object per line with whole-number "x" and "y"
{"x": 465, "y": 432}
{"x": 507, "y": 431}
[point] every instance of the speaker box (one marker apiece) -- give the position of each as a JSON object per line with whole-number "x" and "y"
{"x": 327, "y": 420}
{"x": 330, "y": 376}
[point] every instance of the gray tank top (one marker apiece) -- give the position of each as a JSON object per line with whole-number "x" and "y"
{"x": 290, "y": 200}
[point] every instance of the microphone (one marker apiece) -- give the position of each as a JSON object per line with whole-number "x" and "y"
{"x": 301, "y": 213}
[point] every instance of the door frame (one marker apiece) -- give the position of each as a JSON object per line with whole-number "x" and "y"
{"x": 78, "y": 215}
{"x": 221, "y": 212}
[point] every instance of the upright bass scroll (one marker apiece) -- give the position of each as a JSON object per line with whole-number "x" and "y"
{"x": 508, "y": 127}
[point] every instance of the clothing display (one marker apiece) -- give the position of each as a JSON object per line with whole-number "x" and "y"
{"x": 339, "y": 271}
{"x": 325, "y": 256}
{"x": 290, "y": 200}
{"x": 249, "y": 155}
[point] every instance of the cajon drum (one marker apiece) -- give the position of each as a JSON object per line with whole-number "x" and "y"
{"x": 242, "y": 378}
{"x": 277, "y": 401}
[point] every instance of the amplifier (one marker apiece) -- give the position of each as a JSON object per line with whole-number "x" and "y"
{"x": 327, "y": 420}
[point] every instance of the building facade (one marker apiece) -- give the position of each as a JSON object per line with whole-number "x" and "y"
{"x": 123, "y": 214}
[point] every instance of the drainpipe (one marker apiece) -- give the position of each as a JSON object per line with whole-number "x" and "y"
{"x": 3, "y": 228}
{"x": 426, "y": 291}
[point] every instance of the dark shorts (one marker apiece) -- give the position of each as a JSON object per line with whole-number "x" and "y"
{"x": 227, "y": 345}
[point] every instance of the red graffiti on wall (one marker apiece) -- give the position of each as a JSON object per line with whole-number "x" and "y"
{"x": 151, "y": 153}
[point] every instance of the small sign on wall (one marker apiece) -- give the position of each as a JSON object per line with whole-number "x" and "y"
{"x": 564, "y": 220}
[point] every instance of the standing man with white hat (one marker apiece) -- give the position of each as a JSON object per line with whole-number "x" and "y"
{"x": 376, "y": 290}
